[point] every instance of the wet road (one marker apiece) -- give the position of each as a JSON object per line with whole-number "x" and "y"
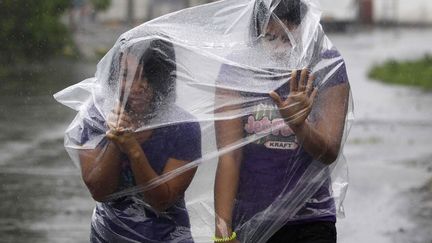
{"x": 388, "y": 151}
{"x": 42, "y": 196}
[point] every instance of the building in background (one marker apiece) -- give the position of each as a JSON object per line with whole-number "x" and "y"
{"x": 138, "y": 11}
{"x": 412, "y": 12}
{"x": 340, "y": 13}
{"x": 395, "y": 12}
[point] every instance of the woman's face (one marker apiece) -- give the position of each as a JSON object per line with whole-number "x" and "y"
{"x": 136, "y": 87}
{"x": 276, "y": 38}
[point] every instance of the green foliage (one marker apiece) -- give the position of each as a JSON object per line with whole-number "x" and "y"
{"x": 101, "y": 5}
{"x": 31, "y": 30}
{"x": 415, "y": 73}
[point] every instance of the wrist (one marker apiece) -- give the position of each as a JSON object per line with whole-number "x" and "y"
{"x": 299, "y": 127}
{"x": 134, "y": 151}
{"x": 223, "y": 233}
{"x": 223, "y": 227}
{"x": 229, "y": 238}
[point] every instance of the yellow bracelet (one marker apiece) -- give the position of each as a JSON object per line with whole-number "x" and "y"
{"x": 225, "y": 239}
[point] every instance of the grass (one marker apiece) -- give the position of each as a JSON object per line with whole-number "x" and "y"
{"x": 413, "y": 73}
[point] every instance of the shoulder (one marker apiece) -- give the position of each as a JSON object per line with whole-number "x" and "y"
{"x": 88, "y": 127}
{"x": 331, "y": 69}
{"x": 188, "y": 123}
{"x": 189, "y": 126}
{"x": 175, "y": 120}
{"x": 184, "y": 136}
{"x": 231, "y": 69}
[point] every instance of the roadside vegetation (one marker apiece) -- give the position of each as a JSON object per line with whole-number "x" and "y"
{"x": 413, "y": 73}
{"x": 31, "y": 30}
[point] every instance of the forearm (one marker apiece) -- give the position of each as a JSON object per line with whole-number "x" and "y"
{"x": 226, "y": 184}
{"x": 317, "y": 143}
{"x": 101, "y": 170}
{"x": 159, "y": 197}
{"x": 228, "y": 133}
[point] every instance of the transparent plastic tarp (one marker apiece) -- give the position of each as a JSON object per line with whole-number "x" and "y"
{"x": 229, "y": 116}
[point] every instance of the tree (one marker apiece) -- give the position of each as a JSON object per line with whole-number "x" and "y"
{"x": 101, "y": 5}
{"x": 31, "y": 30}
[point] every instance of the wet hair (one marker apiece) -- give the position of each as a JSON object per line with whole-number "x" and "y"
{"x": 159, "y": 67}
{"x": 291, "y": 11}
{"x": 157, "y": 59}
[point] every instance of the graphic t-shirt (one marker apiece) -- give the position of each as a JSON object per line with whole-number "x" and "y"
{"x": 275, "y": 163}
{"x": 129, "y": 219}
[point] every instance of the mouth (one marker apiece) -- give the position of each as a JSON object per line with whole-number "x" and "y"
{"x": 138, "y": 98}
{"x": 139, "y": 103}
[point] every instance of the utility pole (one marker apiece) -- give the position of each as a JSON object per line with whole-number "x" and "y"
{"x": 365, "y": 11}
{"x": 395, "y": 12}
{"x": 130, "y": 18}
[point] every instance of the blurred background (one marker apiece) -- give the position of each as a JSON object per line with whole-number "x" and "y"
{"x": 47, "y": 45}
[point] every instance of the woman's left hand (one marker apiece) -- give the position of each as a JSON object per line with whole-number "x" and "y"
{"x": 121, "y": 131}
{"x": 296, "y": 108}
{"x": 124, "y": 139}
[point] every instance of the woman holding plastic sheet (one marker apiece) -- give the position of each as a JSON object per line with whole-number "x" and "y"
{"x": 254, "y": 182}
{"x": 131, "y": 156}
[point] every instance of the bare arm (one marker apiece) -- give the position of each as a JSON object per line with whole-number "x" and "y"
{"x": 320, "y": 138}
{"x": 164, "y": 195}
{"x": 100, "y": 170}
{"x": 101, "y": 167}
{"x": 228, "y": 132}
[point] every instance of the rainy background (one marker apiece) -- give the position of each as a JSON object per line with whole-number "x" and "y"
{"x": 48, "y": 45}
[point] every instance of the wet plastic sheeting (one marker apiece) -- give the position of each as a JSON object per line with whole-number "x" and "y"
{"x": 147, "y": 120}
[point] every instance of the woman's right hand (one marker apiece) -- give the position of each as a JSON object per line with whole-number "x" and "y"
{"x": 119, "y": 119}
{"x": 121, "y": 130}
{"x": 297, "y": 106}
{"x": 124, "y": 139}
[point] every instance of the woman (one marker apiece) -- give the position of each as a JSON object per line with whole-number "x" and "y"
{"x": 131, "y": 156}
{"x": 252, "y": 182}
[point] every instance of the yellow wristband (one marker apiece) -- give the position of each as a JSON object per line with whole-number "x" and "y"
{"x": 225, "y": 239}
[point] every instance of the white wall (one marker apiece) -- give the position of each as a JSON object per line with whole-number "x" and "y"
{"x": 406, "y": 11}
{"x": 118, "y": 10}
{"x": 411, "y": 11}
{"x": 338, "y": 9}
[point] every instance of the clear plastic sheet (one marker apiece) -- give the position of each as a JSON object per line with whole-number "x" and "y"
{"x": 229, "y": 116}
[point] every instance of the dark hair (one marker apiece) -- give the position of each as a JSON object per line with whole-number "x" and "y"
{"x": 157, "y": 59}
{"x": 291, "y": 11}
{"x": 159, "y": 64}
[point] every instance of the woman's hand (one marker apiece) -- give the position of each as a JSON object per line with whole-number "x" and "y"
{"x": 121, "y": 127}
{"x": 119, "y": 119}
{"x": 296, "y": 108}
{"x": 124, "y": 139}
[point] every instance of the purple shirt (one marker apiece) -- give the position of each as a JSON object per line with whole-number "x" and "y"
{"x": 273, "y": 165}
{"x": 128, "y": 217}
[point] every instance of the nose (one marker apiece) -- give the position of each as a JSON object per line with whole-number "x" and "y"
{"x": 282, "y": 42}
{"x": 139, "y": 86}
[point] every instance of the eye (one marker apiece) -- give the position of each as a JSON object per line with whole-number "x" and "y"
{"x": 285, "y": 39}
{"x": 270, "y": 37}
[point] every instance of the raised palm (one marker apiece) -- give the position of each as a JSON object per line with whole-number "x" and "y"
{"x": 298, "y": 105}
